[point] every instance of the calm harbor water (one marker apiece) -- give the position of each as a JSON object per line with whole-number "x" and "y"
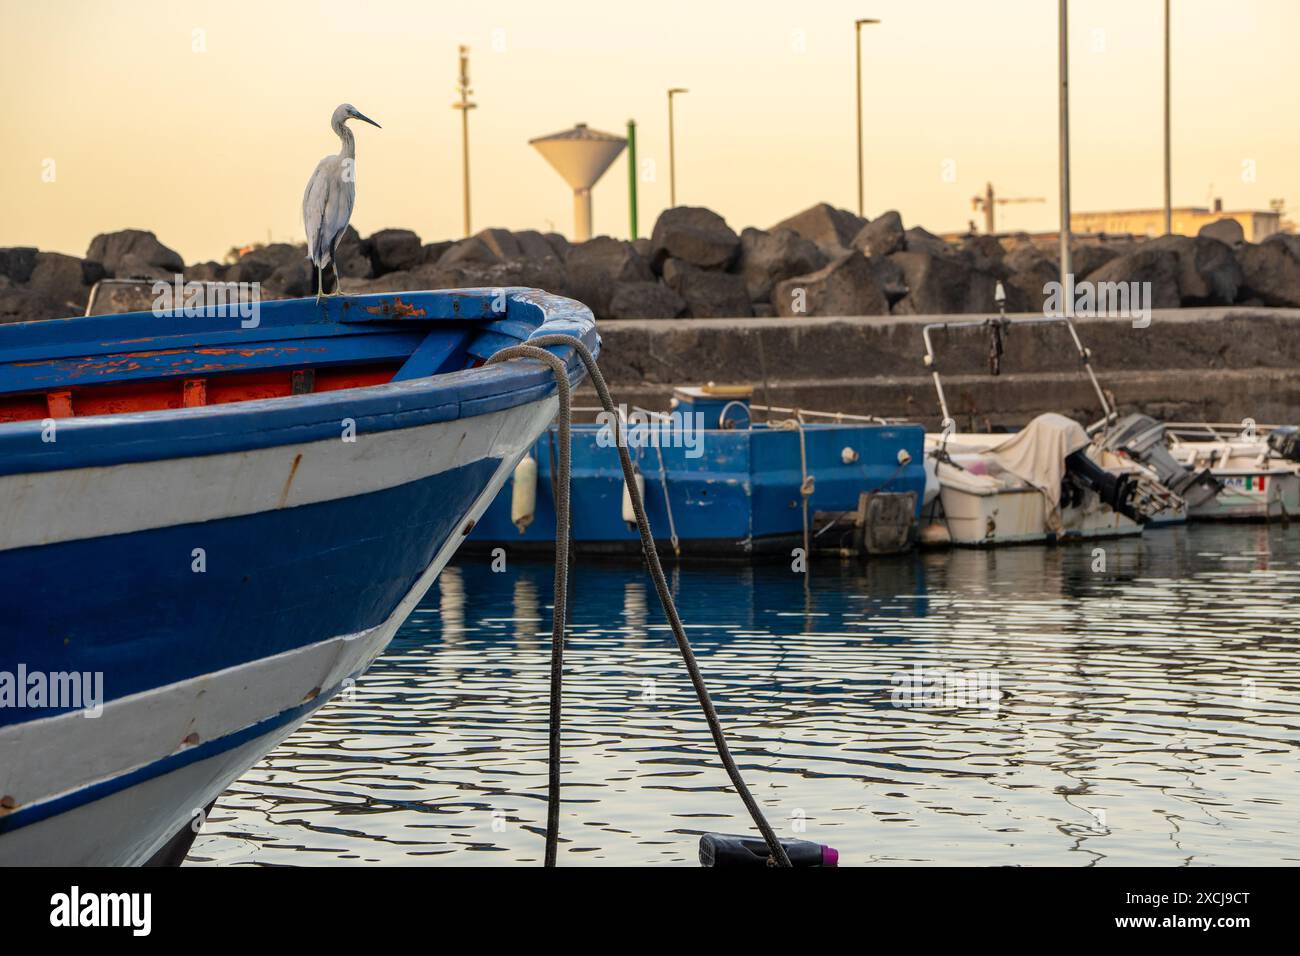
{"x": 1147, "y": 713}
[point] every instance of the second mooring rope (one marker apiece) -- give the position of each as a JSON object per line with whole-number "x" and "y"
{"x": 534, "y": 350}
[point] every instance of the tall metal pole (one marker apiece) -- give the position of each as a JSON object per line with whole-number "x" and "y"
{"x": 672, "y": 149}
{"x": 1064, "y": 69}
{"x": 1169, "y": 212}
{"x": 464, "y": 106}
{"x": 857, "y": 55}
{"x": 631, "y": 176}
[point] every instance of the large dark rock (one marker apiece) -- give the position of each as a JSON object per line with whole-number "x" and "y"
{"x": 889, "y": 277}
{"x": 559, "y": 245}
{"x": 62, "y": 280}
{"x": 18, "y": 304}
{"x": 533, "y": 245}
{"x": 1208, "y": 272}
{"x": 1029, "y": 270}
{"x": 1271, "y": 271}
{"x": 353, "y": 255}
{"x": 917, "y": 239}
{"x": 768, "y": 257}
{"x": 209, "y": 271}
{"x": 707, "y": 294}
{"x": 431, "y": 252}
{"x": 594, "y": 268}
{"x": 845, "y": 286}
{"x": 135, "y": 253}
{"x": 392, "y": 250}
{"x": 260, "y": 264}
{"x": 645, "y": 300}
{"x": 466, "y": 274}
{"x": 17, "y": 263}
{"x": 294, "y": 278}
{"x": 92, "y": 272}
{"x": 1160, "y": 267}
{"x": 832, "y": 229}
{"x": 942, "y": 283}
{"x": 985, "y": 254}
{"x": 881, "y": 236}
{"x": 1227, "y": 231}
{"x": 502, "y": 242}
{"x": 695, "y": 235}
{"x": 466, "y": 251}
{"x": 1086, "y": 258}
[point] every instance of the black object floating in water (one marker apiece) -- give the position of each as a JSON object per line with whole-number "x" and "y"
{"x": 727, "y": 849}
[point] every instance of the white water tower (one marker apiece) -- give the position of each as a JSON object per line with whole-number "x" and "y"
{"x": 581, "y": 155}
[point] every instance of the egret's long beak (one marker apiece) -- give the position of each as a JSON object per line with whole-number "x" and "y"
{"x": 366, "y": 119}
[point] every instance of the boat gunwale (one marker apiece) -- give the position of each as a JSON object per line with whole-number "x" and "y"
{"x": 105, "y": 440}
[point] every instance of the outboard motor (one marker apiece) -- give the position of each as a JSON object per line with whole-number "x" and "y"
{"x": 1285, "y": 441}
{"x": 1142, "y": 438}
{"x": 1119, "y": 491}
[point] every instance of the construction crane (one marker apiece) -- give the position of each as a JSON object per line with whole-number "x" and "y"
{"x": 988, "y": 201}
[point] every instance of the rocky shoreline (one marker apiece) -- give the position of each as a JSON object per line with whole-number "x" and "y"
{"x": 822, "y": 262}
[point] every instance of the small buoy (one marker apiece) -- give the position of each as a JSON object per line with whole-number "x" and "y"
{"x": 629, "y": 515}
{"x": 904, "y": 456}
{"x": 523, "y": 493}
{"x": 848, "y": 455}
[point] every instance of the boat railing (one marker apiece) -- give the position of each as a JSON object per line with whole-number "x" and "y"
{"x": 798, "y": 413}
{"x": 996, "y": 328}
{"x": 1246, "y": 430}
{"x": 147, "y": 283}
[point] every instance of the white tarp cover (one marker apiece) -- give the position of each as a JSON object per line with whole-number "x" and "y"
{"x": 1037, "y": 454}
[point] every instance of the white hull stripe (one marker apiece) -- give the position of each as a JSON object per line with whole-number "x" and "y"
{"x": 52, "y": 507}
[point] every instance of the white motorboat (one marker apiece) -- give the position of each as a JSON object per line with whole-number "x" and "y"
{"x": 1259, "y": 480}
{"x": 1048, "y": 481}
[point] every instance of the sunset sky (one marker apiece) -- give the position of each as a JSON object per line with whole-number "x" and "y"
{"x": 203, "y": 120}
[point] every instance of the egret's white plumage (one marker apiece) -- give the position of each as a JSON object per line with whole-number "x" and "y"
{"x": 331, "y": 191}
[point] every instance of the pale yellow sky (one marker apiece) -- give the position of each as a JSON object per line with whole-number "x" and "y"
{"x": 212, "y": 148}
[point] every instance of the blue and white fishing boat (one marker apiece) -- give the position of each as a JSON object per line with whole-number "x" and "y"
{"x": 209, "y": 525}
{"x": 719, "y": 484}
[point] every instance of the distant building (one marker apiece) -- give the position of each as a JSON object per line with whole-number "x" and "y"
{"x": 1187, "y": 221}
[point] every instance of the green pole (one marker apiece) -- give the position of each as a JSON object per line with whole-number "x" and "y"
{"x": 631, "y": 175}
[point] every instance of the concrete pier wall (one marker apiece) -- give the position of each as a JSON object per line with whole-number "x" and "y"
{"x": 1220, "y": 364}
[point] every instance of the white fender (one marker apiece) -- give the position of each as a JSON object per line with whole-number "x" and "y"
{"x": 628, "y": 514}
{"x": 523, "y": 493}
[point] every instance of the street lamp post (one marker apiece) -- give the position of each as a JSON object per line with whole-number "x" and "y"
{"x": 464, "y": 106}
{"x": 631, "y": 177}
{"x": 1064, "y": 85}
{"x": 1169, "y": 212}
{"x": 672, "y": 150}
{"x": 857, "y": 49}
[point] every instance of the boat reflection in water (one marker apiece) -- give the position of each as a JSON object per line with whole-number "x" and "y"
{"x": 1140, "y": 703}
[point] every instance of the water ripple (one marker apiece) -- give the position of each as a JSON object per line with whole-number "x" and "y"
{"x": 1147, "y": 713}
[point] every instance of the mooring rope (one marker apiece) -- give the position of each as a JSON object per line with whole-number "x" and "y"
{"x": 534, "y": 350}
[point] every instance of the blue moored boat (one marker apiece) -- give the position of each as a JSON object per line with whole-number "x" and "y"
{"x": 208, "y": 526}
{"x": 717, "y": 484}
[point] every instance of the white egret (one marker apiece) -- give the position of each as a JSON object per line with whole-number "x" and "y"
{"x": 331, "y": 191}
